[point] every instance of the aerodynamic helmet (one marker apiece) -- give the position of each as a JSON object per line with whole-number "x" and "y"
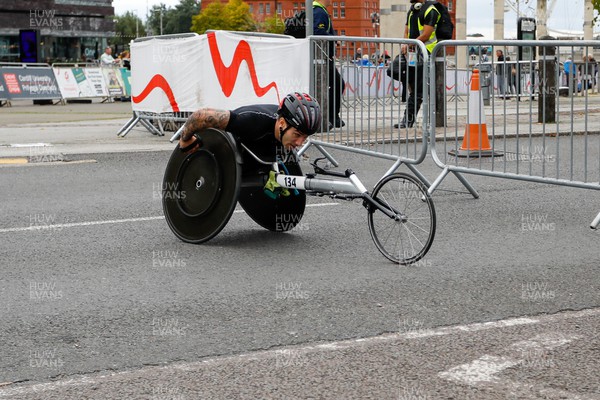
{"x": 302, "y": 112}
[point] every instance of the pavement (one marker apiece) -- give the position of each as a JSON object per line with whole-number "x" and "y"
{"x": 92, "y": 128}
{"x": 495, "y": 311}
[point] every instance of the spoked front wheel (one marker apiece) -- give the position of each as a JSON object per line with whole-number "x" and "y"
{"x": 407, "y": 238}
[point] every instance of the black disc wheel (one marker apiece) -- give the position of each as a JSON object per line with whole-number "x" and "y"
{"x": 200, "y": 190}
{"x": 406, "y": 238}
{"x": 280, "y": 214}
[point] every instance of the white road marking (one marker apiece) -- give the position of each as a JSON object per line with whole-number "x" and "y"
{"x": 30, "y": 145}
{"x": 487, "y": 364}
{"x": 481, "y": 370}
{"x": 112, "y": 221}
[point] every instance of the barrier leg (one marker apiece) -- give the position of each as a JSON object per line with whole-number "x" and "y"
{"x": 128, "y": 125}
{"x": 596, "y": 222}
{"x": 304, "y": 147}
{"x": 327, "y": 155}
{"x": 150, "y": 127}
{"x": 466, "y": 184}
{"x": 438, "y": 181}
{"x": 393, "y": 168}
{"x": 177, "y": 134}
{"x": 419, "y": 175}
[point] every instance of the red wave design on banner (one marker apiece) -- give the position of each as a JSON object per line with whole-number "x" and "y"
{"x": 228, "y": 75}
{"x": 157, "y": 81}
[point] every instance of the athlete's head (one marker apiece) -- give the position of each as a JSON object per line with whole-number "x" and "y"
{"x": 302, "y": 115}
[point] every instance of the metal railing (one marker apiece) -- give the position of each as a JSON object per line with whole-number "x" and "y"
{"x": 546, "y": 135}
{"x": 366, "y": 98}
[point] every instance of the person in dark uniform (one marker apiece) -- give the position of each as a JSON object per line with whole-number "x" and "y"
{"x": 323, "y": 26}
{"x": 261, "y": 127}
{"x": 420, "y": 25}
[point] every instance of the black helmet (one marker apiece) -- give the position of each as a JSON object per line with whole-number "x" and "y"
{"x": 302, "y": 112}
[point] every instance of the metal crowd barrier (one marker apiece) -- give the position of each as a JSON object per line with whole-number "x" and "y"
{"x": 550, "y": 135}
{"x": 368, "y": 104}
{"x": 157, "y": 123}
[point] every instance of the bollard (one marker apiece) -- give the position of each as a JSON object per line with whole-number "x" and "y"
{"x": 547, "y": 92}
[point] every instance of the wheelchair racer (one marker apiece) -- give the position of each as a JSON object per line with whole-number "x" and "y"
{"x": 264, "y": 128}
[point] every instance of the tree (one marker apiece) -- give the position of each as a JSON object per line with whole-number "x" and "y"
{"x": 238, "y": 16}
{"x": 275, "y": 25}
{"x": 234, "y": 16}
{"x": 179, "y": 19}
{"x": 211, "y": 17}
{"x": 127, "y": 28}
{"x": 156, "y": 13}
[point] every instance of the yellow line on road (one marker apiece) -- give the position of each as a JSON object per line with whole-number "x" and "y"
{"x": 14, "y": 160}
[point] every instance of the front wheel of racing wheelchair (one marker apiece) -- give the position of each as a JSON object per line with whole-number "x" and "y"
{"x": 200, "y": 190}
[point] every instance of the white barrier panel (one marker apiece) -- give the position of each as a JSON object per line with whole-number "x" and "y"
{"x": 67, "y": 84}
{"x": 219, "y": 69}
{"x": 96, "y": 81}
{"x": 114, "y": 82}
{"x": 368, "y": 82}
{"x": 373, "y": 82}
{"x": 458, "y": 82}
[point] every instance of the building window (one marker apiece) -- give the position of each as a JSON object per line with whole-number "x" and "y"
{"x": 343, "y": 32}
{"x": 450, "y": 5}
{"x": 260, "y": 8}
{"x": 268, "y": 8}
{"x": 343, "y": 13}
{"x": 342, "y": 4}
{"x": 251, "y": 9}
{"x": 278, "y": 8}
{"x": 335, "y": 4}
{"x": 335, "y": 13}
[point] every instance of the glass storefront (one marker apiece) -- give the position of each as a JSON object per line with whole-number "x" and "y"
{"x": 56, "y": 49}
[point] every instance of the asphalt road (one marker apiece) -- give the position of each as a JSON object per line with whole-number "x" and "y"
{"x": 107, "y": 287}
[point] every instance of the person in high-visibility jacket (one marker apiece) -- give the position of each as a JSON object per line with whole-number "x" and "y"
{"x": 420, "y": 24}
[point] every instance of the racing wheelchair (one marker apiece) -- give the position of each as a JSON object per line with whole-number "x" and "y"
{"x": 201, "y": 190}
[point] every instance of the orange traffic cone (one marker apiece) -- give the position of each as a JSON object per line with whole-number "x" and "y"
{"x": 475, "y": 142}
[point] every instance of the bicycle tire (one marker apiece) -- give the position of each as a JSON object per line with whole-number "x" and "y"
{"x": 407, "y": 195}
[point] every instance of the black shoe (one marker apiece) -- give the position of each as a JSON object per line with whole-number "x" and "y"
{"x": 404, "y": 125}
{"x": 338, "y": 123}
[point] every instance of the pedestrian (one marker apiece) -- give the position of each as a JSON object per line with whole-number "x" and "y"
{"x": 323, "y": 26}
{"x": 106, "y": 58}
{"x": 593, "y": 66}
{"x": 569, "y": 70}
{"x": 358, "y": 54}
{"x": 420, "y": 24}
{"x": 501, "y": 74}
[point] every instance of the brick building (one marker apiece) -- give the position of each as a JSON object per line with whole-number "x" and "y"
{"x": 350, "y": 17}
{"x": 68, "y": 30}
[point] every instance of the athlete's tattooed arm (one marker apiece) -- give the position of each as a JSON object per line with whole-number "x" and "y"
{"x": 202, "y": 119}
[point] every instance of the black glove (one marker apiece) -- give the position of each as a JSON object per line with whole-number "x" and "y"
{"x": 197, "y": 142}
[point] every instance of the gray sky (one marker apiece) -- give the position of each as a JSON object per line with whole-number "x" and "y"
{"x": 567, "y": 15}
